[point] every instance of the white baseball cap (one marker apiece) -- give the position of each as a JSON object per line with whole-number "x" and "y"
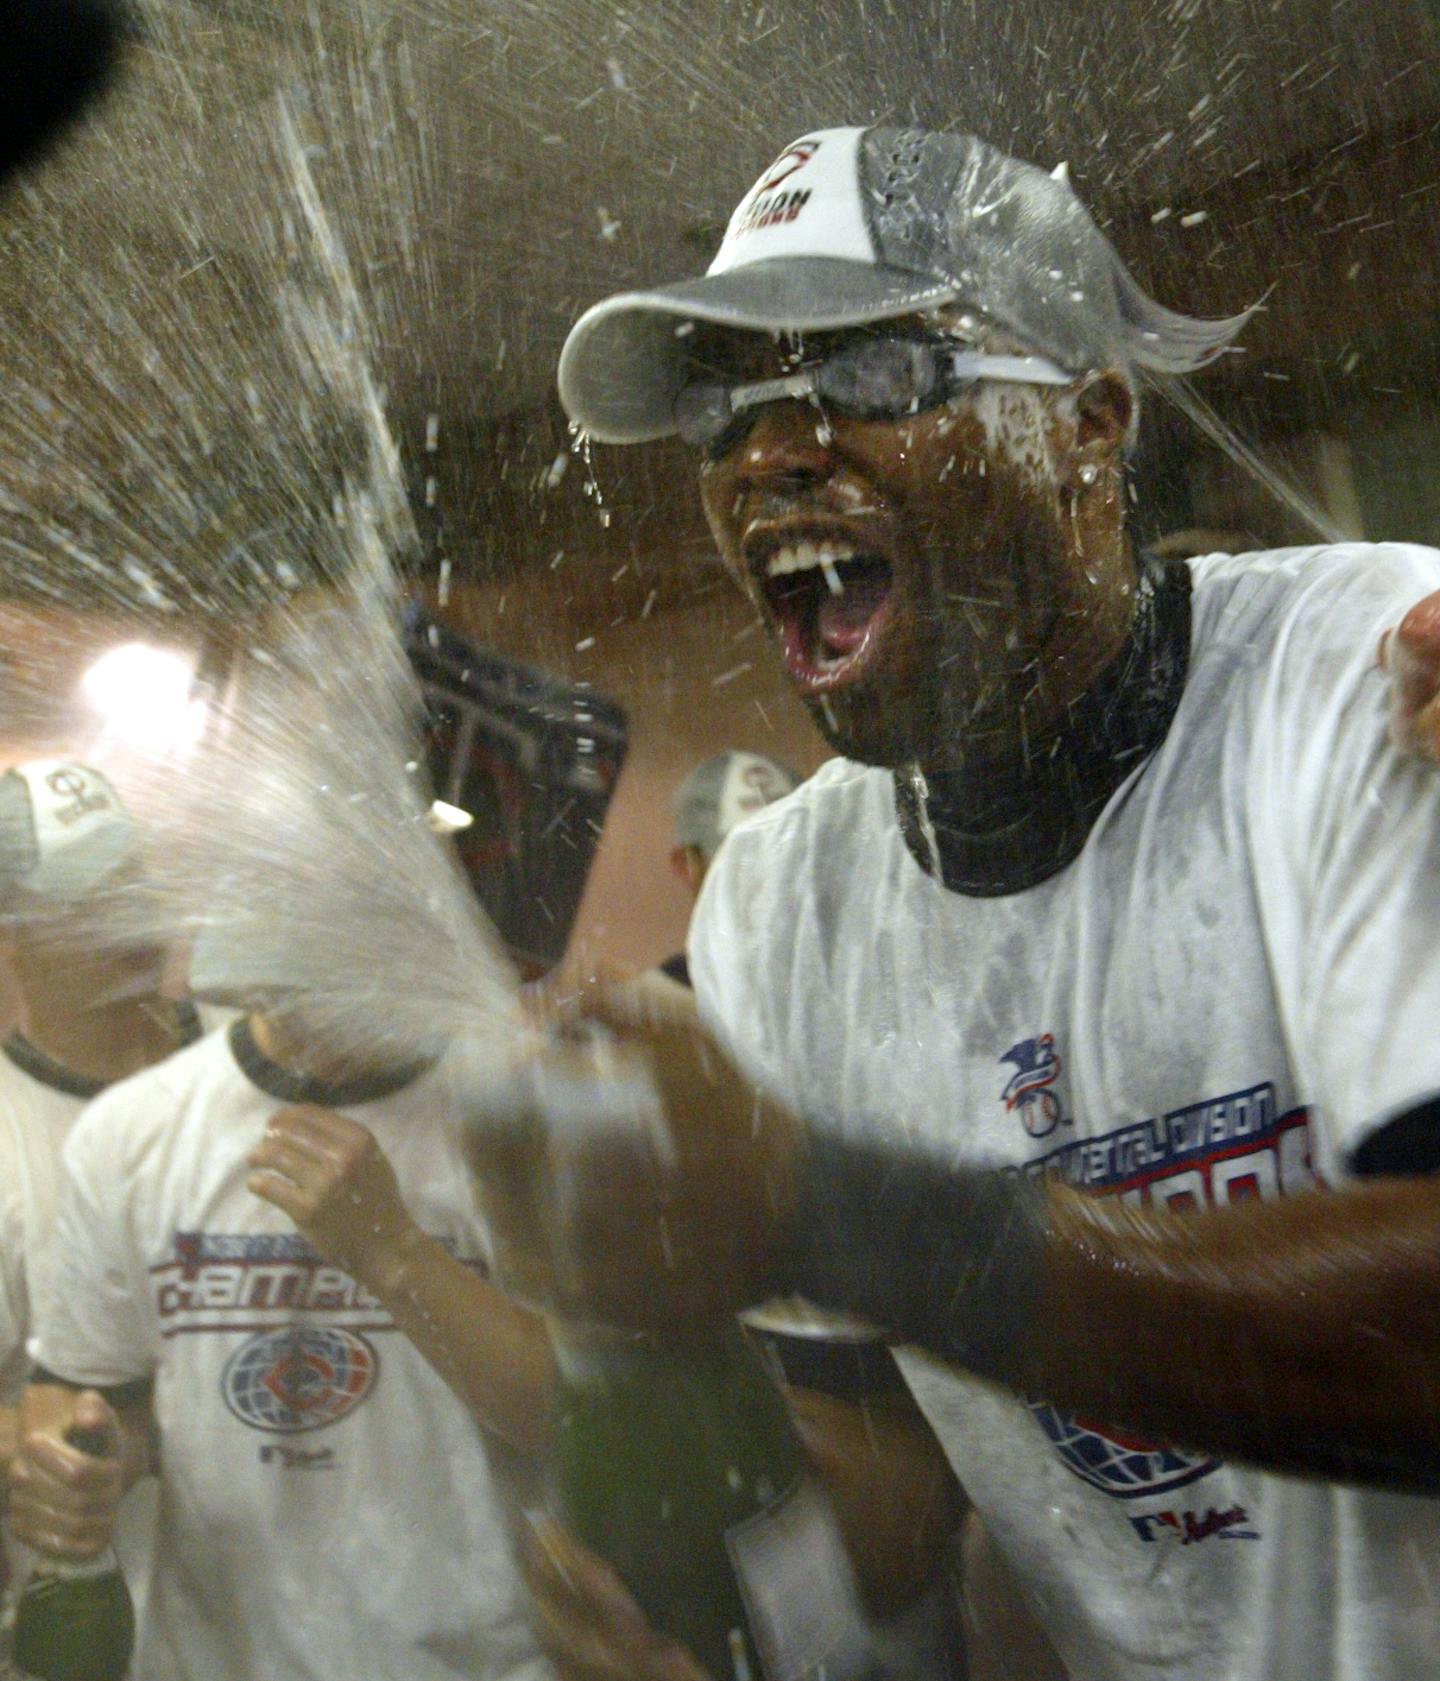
{"x": 716, "y": 795}
{"x": 853, "y": 225}
{"x": 63, "y": 830}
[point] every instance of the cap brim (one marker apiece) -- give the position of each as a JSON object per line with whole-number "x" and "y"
{"x": 623, "y": 362}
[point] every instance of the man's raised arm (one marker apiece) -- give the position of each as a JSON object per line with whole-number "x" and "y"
{"x": 1302, "y": 1336}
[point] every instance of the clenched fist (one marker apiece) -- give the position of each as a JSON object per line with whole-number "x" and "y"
{"x": 64, "y": 1498}
{"x": 328, "y": 1174}
{"x": 638, "y": 1177}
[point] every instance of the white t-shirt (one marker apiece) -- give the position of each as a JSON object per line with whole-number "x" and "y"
{"x": 40, "y": 1100}
{"x": 1216, "y": 999}
{"x": 39, "y": 1103}
{"x": 326, "y": 1507}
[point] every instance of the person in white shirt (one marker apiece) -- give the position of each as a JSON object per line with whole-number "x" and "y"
{"x": 328, "y": 1507}
{"x": 1101, "y": 964}
{"x": 92, "y": 1011}
{"x": 712, "y": 799}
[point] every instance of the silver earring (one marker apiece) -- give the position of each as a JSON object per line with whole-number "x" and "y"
{"x": 1089, "y": 473}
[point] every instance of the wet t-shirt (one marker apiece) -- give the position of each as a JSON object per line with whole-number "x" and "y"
{"x": 327, "y": 1510}
{"x": 40, "y": 1101}
{"x": 1218, "y": 999}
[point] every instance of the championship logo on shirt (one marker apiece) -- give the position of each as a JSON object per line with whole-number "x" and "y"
{"x": 1235, "y": 1147}
{"x": 300, "y": 1377}
{"x": 1037, "y": 1067}
{"x": 1122, "y": 1465}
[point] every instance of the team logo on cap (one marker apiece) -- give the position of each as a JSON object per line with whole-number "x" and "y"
{"x": 298, "y": 1378}
{"x": 85, "y": 793}
{"x": 1121, "y": 1465}
{"x": 67, "y": 783}
{"x": 792, "y": 158}
{"x": 765, "y": 206}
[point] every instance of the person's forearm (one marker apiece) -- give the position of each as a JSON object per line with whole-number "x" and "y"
{"x": 1302, "y": 1335}
{"x": 492, "y": 1352}
{"x": 892, "y": 1489}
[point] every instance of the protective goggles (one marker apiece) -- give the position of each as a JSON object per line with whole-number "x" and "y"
{"x": 875, "y": 378}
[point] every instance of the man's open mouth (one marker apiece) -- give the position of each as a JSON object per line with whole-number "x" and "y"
{"x": 829, "y": 599}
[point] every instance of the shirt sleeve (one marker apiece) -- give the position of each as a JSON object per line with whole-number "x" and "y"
{"x": 14, "y": 1295}
{"x": 94, "y": 1321}
{"x": 726, "y": 944}
{"x": 1348, "y": 856}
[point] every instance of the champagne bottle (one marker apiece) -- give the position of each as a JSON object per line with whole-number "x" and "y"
{"x": 678, "y": 1464}
{"x": 676, "y": 1461}
{"x": 76, "y": 1622}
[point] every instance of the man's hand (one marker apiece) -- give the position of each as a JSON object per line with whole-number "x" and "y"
{"x": 636, "y": 1212}
{"x": 586, "y": 1621}
{"x": 1411, "y": 654}
{"x": 63, "y": 1500}
{"x": 893, "y": 1492}
{"x": 329, "y": 1175}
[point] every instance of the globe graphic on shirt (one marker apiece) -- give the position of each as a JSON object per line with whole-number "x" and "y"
{"x": 300, "y": 1377}
{"x": 1123, "y": 1466}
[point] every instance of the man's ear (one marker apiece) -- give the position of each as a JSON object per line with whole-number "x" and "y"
{"x": 688, "y": 862}
{"x": 1104, "y": 412}
{"x": 1092, "y": 438}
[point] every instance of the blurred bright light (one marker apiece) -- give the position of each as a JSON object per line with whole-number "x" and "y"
{"x": 446, "y": 819}
{"x": 145, "y": 698}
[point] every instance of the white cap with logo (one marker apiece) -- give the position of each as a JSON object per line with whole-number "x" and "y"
{"x": 854, "y": 225}
{"x": 63, "y": 830}
{"x": 718, "y": 794}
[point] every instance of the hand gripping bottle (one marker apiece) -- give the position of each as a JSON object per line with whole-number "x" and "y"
{"x": 76, "y": 1622}
{"x": 676, "y": 1458}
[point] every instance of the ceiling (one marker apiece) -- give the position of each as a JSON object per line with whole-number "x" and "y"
{"x": 495, "y": 165}
{"x": 480, "y": 170}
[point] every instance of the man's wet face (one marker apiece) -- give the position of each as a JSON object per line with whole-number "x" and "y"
{"x": 913, "y": 571}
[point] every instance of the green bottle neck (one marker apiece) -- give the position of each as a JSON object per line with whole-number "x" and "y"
{"x": 589, "y": 1352}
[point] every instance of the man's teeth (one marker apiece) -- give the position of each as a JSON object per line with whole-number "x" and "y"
{"x": 802, "y": 557}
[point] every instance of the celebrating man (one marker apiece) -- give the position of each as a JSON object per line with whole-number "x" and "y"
{"x": 1118, "y": 888}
